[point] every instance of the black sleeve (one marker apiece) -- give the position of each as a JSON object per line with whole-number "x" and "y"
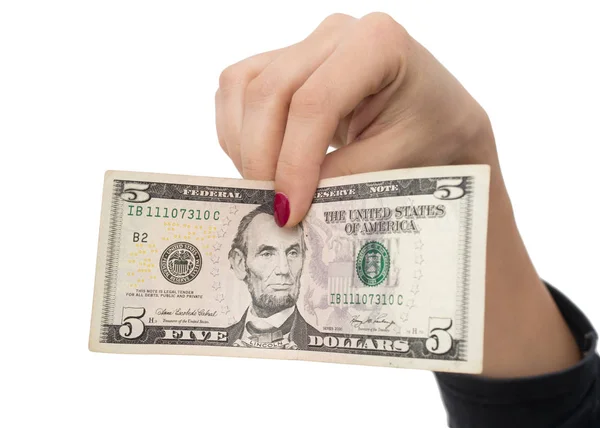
{"x": 570, "y": 398}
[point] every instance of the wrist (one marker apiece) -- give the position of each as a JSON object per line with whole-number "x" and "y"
{"x": 525, "y": 334}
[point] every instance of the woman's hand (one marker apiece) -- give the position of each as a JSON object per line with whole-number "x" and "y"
{"x": 361, "y": 85}
{"x": 367, "y": 88}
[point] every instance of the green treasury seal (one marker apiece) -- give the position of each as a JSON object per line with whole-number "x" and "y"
{"x": 372, "y": 264}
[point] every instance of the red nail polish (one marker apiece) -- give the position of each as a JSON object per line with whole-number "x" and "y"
{"x": 281, "y": 209}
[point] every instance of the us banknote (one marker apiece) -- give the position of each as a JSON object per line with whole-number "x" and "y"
{"x": 386, "y": 269}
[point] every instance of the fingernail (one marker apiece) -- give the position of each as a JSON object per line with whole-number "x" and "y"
{"x": 281, "y": 209}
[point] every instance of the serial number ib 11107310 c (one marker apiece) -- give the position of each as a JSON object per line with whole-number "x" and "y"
{"x": 366, "y": 299}
{"x": 172, "y": 213}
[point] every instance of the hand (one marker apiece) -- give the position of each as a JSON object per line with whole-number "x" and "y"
{"x": 362, "y": 85}
{"x": 366, "y": 87}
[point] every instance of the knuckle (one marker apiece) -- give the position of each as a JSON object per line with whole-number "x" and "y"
{"x": 233, "y": 75}
{"x": 264, "y": 87}
{"x": 379, "y": 20}
{"x": 255, "y": 168}
{"x": 336, "y": 19}
{"x": 382, "y": 26}
{"x": 310, "y": 103}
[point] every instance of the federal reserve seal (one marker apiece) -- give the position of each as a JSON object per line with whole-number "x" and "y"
{"x": 372, "y": 264}
{"x": 180, "y": 263}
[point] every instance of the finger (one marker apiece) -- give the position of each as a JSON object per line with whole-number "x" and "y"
{"x": 340, "y": 137}
{"x": 229, "y": 101}
{"x": 219, "y": 117}
{"x": 268, "y": 96}
{"x": 373, "y": 154}
{"x": 354, "y": 71}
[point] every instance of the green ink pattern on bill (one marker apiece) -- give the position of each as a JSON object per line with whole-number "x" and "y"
{"x": 373, "y": 264}
{"x": 386, "y": 269}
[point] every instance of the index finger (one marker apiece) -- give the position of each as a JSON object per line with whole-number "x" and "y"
{"x": 365, "y": 63}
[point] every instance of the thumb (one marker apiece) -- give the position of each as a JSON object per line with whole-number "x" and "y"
{"x": 295, "y": 182}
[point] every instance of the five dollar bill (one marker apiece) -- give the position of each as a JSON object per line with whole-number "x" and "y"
{"x": 386, "y": 269}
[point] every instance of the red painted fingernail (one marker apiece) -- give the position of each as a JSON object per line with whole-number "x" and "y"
{"x": 281, "y": 209}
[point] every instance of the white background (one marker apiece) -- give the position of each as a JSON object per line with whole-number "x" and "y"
{"x": 90, "y": 86}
